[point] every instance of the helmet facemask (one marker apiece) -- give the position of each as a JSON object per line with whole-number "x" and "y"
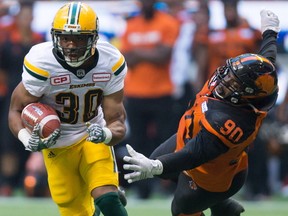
{"x": 75, "y": 56}
{"x": 228, "y": 86}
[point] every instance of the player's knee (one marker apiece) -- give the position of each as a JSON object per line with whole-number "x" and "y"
{"x": 63, "y": 199}
{"x": 180, "y": 206}
{"x": 108, "y": 198}
{"x": 230, "y": 208}
{"x": 110, "y": 204}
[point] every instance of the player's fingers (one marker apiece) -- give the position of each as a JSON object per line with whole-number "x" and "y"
{"x": 127, "y": 176}
{"x": 127, "y": 158}
{"x": 91, "y": 138}
{"x": 36, "y": 127}
{"x": 90, "y": 127}
{"x": 265, "y": 13}
{"x": 56, "y": 133}
{"x": 132, "y": 160}
{"x": 262, "y": 12}
{"x": 36, "y": 130}
{"x": 133, "y": 167}
{"x": 131, "y": 180}
{"x": 131, "y": 151}
{"x": 269, "y": 13}
{"x": 131, "y": 177}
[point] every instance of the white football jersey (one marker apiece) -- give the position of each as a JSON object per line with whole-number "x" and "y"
{"x": 76, "y": 95}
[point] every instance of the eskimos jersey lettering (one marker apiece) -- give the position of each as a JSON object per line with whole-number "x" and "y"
{"x": 236, "y": 128}
{"x": 75, "y": 95}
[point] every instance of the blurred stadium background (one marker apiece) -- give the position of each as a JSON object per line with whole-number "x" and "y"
{"x": 112, "y": 24}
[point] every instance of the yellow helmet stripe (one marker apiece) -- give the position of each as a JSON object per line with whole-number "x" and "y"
{"x": 119, "y": 66}
{"x": 74, "y": 12}
{"x": 35, "y": 71}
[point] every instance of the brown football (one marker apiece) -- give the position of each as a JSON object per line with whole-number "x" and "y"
{"x": 43, "y": 114}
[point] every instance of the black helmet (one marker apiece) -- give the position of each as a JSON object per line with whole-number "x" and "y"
{"x": 248, "y": 79}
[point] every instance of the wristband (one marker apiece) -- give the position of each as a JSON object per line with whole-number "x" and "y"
{"x": 157, "y": 167}
{"x": 108, "y": 134}
{"x": 24, "y": 136}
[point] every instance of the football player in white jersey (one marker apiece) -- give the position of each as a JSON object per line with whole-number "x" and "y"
{"x": 82, "y": 78}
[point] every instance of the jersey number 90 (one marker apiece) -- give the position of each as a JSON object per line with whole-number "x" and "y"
{"x": 231, "y": 130}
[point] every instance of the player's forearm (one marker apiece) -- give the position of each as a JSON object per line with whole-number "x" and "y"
{"x": 14, "y": 122}
{"x": 269, "y": 45}
{"x": 201, "y": 149}
{"x": 19, "y": 99}
{"x": 118, "y": 130}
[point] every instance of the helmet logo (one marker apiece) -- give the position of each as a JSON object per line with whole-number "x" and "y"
{"x": 73, "y": 28}
{"x": 266, "y": 83}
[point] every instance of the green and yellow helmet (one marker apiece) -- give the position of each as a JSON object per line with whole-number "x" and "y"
{"x": 75, "y": 18}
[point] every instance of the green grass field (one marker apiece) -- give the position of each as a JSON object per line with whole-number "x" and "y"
{"x": 20, "y": 206}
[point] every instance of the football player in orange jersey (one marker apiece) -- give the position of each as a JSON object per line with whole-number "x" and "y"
{"x": 207, "y": 157}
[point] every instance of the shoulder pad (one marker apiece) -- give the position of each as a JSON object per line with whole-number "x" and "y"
{"x": 230, "y": 124}
{"x": 33, "y": 61}
{"x": 109, "y": 53}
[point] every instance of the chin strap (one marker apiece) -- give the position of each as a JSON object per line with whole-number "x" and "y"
{"x": 257, "y": 111}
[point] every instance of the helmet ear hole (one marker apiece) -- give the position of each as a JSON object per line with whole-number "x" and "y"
{"x": 234, "y": 100}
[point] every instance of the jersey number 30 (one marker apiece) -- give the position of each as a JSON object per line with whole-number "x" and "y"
{"x": 70, "y": 103}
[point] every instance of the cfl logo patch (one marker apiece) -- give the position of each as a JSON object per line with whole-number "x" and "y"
{"x": 60, "y": 80}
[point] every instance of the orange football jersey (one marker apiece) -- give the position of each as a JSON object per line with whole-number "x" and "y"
{"x": 236, "y": 128}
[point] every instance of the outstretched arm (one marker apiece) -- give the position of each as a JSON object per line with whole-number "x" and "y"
{"x": 191, "y": 156}
{"x": 270, "y": 29}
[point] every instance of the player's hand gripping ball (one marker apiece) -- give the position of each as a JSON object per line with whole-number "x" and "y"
{"x": 43, "y": 114}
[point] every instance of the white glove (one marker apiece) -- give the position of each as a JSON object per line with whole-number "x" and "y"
{"x": 141, "y": 166}
{"x": 98, "y": 134}
{"x": 269, "y": 21}
{"x": 36, "y": 143}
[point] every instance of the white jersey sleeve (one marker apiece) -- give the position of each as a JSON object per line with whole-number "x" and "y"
{"x": 34, "y": 78}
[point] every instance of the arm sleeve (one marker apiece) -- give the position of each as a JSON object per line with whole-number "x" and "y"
{"x": 268, "y": 47}
{"x": 204, "y": 147}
